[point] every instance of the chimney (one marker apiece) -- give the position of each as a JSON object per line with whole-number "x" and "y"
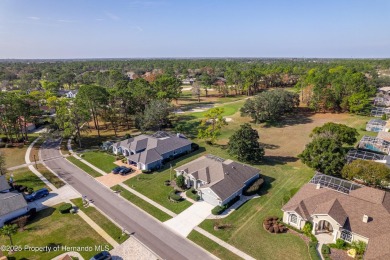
{"x": 318, "y": 186}
{"x": 365, "y": 218}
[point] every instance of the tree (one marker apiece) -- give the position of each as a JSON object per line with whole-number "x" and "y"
{"x": 210, "y": 127}
{"x": 180, "y": 181}
{"x": 270, "y": 105}
{"x": 156, "y": 115}
{"x": 3, "y": 168}
{"x": 9, "y": 231}
{"x": 325, "y": 155}
{"x": 196, "y": 90}
{"x": 339, "y": 132}
{"x": 244, "y": 145}
{"x": 167, "y": 87}
{"x": 370, "y": 172}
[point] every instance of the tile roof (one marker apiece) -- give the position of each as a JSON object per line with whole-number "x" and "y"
{"x": 348, "y": 210}
{"x": 10, "y": 202}
{"x": 223, "y": 177}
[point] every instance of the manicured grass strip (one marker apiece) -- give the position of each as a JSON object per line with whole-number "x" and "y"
{"x": 26, "y": 178}
{"x": 83, "y": 166}
{"x": 113, "y": 230}
{"x": 57, "y": 182}
{"x": 51, "y": 228}
{"x": 152, "y": 210}
{"x": 35, "y": 150}
{"x": 101, "y": 160}
{"x": 211, "y": 246}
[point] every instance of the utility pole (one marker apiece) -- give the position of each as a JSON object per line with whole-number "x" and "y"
{"x": 35, "y": 160}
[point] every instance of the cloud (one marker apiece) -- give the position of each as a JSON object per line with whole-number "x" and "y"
{"x": 139, "y": 28}
{"x": 33, "y": 18}
{"x": 99, "y": 19}
{"x": 112, "y": 16}
{"x": 65, "y": 21}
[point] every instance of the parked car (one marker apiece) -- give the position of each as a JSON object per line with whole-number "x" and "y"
{"x": 37, "y": 194}
{"x": 125, "y": 171}
{"x": 116, "y": 170}
{"x": 102, "y": 256}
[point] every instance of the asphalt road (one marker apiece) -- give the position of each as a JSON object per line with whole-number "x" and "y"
{"x": 164, "y": 242}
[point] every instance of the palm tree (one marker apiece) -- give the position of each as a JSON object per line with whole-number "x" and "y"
{"x": 9, "y": 230}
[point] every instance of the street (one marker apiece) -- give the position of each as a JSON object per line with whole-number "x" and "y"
{"x": 149, "y": 231}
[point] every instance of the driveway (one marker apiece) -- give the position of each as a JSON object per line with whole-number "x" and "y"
{"x": 186, "y": 221}
{"x": 55, "y": 197}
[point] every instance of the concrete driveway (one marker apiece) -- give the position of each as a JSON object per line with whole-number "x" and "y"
{"x": 55, "y": 197}
{"x": 186, "y": 221}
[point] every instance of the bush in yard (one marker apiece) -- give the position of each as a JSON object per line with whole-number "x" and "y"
{"x": 307, "y": 228}
{"x": 313, "y": 251}
{"x": 340, "y": 244}
{"x": 180, "y": 181}
{"x": 217, "y": 210}
{"x": 173, "y": 196}
{"x": 359, "y": 246}
{"x": 325, "y": 250}
{"x": 65, "y": 208}
{"x": 191, "y": 193}
{"x": 272, "y": 225}
{"x": 254, "y": 187}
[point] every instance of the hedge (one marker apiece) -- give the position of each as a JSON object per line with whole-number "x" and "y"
{"x": 313, "y": 251}
{"x": 174, "y": 196}
{"x": 325, "y": 250}
{"x": 219, "y": 209}
{"x": 65, "y": 208}
{"x": 192, "y": 194}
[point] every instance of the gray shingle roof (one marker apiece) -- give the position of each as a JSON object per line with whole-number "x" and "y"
{"x": 224, "y": 177}
{"x": 4, "y": 183}
{"x": 10, "y": 202}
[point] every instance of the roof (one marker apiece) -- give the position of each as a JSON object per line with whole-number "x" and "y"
{"x": 4, "y": 183}
{"x": 384, "y": 135}
{"x": 150, "y": 148}
{"x": 223, "y": 177}
{"x": 348, "y": 210}
{"x": 377, "y": 122}
{"x": 10, "y": 202}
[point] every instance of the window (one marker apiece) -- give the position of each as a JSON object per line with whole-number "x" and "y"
{"x": 346, "y": 235}
{"x": 294, "y": 219}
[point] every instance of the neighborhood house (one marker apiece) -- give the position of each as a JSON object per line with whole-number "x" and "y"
{"x": 148, "y": 152}
{"x": 217, "y": 180}
{"x": 12, "y": 205}
{"x": 4, "y": 186}
{"x": 345, "y": 210}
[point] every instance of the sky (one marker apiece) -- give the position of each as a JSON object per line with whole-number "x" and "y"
{"x": 52, "y": 29}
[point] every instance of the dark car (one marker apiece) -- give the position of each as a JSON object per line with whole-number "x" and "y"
{"x": 37, "y": 194}
{"x": 102, "y": 256}
{"x": 125, "y": 171}
{"x": 116, "y": 170}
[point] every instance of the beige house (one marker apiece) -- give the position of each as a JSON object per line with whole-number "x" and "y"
{"x": 343, "y": 210}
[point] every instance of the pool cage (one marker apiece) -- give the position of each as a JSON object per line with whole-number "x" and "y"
{"x": 374, "y": 144}
{"x": 355, "y": 154}
{"x": 380, "y": 111}
{"x": 334, "y": 183}
{"x": 375, "y": 125}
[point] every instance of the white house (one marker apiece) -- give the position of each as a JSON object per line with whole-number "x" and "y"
{"x": 343, "y": 209}
{"x": 217, "y": 180}
{"x": 12, "y": 205}
{"x": 71, "y": 94}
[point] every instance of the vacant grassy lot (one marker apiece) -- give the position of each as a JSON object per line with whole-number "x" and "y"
{"x": 14, "y": 156}
{"x": 149, "y": 208}
{"x": 25, "y": 177}
{"x": 83, "y": 166}
{"x": 101, "y": 160}
{"x": 113, "y": 230}
{"x": 51, "y": 228}
{"x": 53, "y": 179}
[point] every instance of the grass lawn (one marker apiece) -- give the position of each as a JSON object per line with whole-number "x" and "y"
{"x": 229, "y": 109}
{"x": 35, "y": 150}
{"x": 53, "y": 179}
{"x": 149, "y": 208}
{"x": 83, "y": 166}
{"x": 25, "y": 177}
{"x": 211, "y": 246}
{"x": 102, "y": 160}
{"x": 14, "y": 156}
{"x": 51, "y": 228}
{"x": 113, "y": 230}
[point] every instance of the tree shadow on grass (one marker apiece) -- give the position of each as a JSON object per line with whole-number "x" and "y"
{"x": 39, "y": 216}
{"x": 278, "y": 160}
{"x": 298, "y": 117}
{"x": 269, "y": 146}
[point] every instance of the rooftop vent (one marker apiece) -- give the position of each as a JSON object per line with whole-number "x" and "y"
{"x": 318, "y": 186}
{"x": 365, "y": 218}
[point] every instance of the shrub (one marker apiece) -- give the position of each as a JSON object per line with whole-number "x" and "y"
{"x": 340, "y": 244}
{"x": 173, "y": 196}
{"x": 65, "y": 208}
{"x": 359, "y": 246}
{"x": 146, "y": 171}
{"x": 191, "y": 193}
{"x": 194, "y": 147}
{"x": 30, "y": 190}
{"x": 325, "y": 250}
{"x": 167, "y": 182}
{"x": 180, "y": 181}
{"x": 218, "y": 210}
{"x": 254, "y": 187}
{"x": 307, "y": 228}
{"x": 313, "y": 251}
